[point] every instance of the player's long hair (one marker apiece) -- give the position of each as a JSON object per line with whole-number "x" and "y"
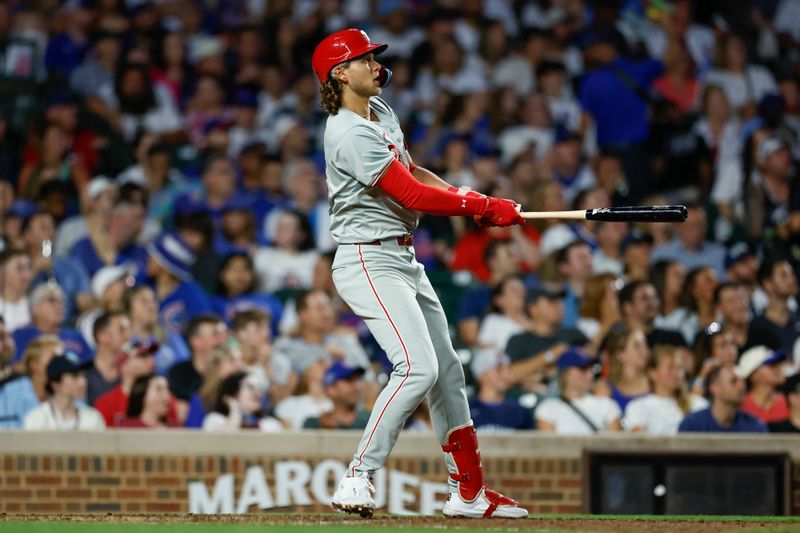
{"x": 331, "y": 95}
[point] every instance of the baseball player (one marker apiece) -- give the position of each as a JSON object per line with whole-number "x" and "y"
{"x": 376, "y": 194}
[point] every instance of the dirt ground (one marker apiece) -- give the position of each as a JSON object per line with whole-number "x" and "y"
{"x": 538, "y": 523}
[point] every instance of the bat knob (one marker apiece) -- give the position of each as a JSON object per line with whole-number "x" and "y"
{"x": 684, "y": 213}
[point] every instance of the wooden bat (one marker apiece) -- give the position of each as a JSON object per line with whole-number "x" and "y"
{"x": 633, "y": 213}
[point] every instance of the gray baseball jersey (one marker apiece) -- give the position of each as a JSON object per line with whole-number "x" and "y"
{"x": 386, "y": 286}
{"x": 357, "y": 151}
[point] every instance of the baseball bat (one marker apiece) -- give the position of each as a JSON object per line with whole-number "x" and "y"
{"x": 632, "y": 213}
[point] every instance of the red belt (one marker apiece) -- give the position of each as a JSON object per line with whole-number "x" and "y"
{"x": 403, "y": 240}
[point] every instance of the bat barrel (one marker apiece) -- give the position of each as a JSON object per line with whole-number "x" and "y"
{"x": 639, "y": 213}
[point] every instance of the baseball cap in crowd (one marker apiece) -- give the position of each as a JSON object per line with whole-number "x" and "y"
{"x": 485, "y": 360}
{"x": 205, "y": 47}
{"x": 107, "y": 275}
{"x": 42, "y": 291}
{"x": 60, "y": 97}
{"x": 556, "y": 238}
{"x": 768, "y": 147}
{"x": 738, "y": 252}
{"x": 544, "y": 290}
{"x": 68, "y": 363}
{"x": 23, "y": 209}
{"x": 755, "y": 358}
{"x": 339, "y": 371}
{"x": 98, "y": 185}
{"x": 564, "y": 134}
{"x": 173, "y": 254}
{"x": 575, "y": 358}
{"x": 791, "y": 385}
{"x": 634, "y": 237}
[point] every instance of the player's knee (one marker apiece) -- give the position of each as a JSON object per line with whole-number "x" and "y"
{"x": 425, "y": 375}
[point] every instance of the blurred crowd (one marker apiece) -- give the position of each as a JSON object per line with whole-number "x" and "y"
{"x": 166, "y": 254}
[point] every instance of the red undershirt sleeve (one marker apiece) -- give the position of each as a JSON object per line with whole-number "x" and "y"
{"x": 399, "y": 184}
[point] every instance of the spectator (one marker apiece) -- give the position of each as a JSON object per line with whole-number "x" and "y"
{"x": 661, "y": 411}
{"x": 761, "y": 369}
{"x": 714, "y": 346}
{"x": 64, "y": 411}
{"x": 733, "y": 309}
{"x": 779, "y": 283}
{"x": 222, "y": 363}
{"x": 791, "y": 389}
{"x": 506, "y": 317}
{"x": 180, "y": 297}
{"x": 117, "y": 245}
{"x": 627, "y": 354}
{"x": 111, "y": 332}
{"x": 238, "y": 406}
{"x": 53, "y": 164}
{"x": 608, "y": 255}
{"x": 599, "y": 309}
{"x": 502, "y": 261}
{"x": 204, "y": 333}
{"x": 289, "y": 263}
{"x": 533, "y": 351}
{"x": 741, "y": 266}
{"x": 17, "y": 396}
{"x": 744, "y": 84}
{"x": 108, "y": 285}
{"x": 142, "y": 106}
{"x": 768, "y": 194}
{"x": 696, "y": 303}
{"x": 317, "y": 337}
{"x": 272, "y": 373}
{"x": 237, "y": 227}
{"x": 39, "y": 231}
{"x": 47, "y": 312}
{"x": 667, "y": 277}
{"x": 678, "y": 84}
{"x": 135, "y": 359}
{"x": 726, "y": 391}
{"x": 35, "y": 360}
{"x": 309, "y": 400}
{"x": 148, "y": 404}
{"x": 610, "y": 98}
{"x": 576, "y": 411}
{"x": 574, "y": 263}
{"x": 690, "y": 246}
{"x": 567, "y": 167}
{"x": 342, "y": 384}
{"x": 636, "y": 250}
{"x": 15, "y": 278}
{"x": 639, "y": 304}
{"x": 489, "y": 408}
{"x": 236, "y": 290}
{"x": 97, "y": 202}
{"x": 94, "y": 77}
{"x": 140, "y": 304}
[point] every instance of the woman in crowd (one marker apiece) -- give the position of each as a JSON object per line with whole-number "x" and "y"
{"x": 667, "y": 276}
{"x": 289, "y": 262}
{"x": 576, "y": 411}
{"x": 627, "y": 353}
{"x": 35, "y": 360}
{"x": 148, "y": 403}
{"x": 223, "y": 363}
{"x": 713, "y": 347}
{"x": 52, "y": 164}
{"x": 599, "y": 309}
{"x": 506, "y": 315}
{"x": 697, "y": 298}
{"x": 236, "y": 290}
{"x": 64, "y": 410}
{"x": 238, "y": 406}
{"x": 661, "y": 411}
{"x": 309, "y": 400}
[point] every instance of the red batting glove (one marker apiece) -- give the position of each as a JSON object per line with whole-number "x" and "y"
{"x": 500, "y": 212}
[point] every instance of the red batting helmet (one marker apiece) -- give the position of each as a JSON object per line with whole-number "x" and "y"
{"x": 339, "y": 47}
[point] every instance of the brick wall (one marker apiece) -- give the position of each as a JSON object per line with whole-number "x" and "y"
{"x": 138, "y": 472}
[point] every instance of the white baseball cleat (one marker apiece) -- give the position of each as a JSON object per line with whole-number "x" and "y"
{"x": 488, "y": 504}
{"x": 354, "y": 495}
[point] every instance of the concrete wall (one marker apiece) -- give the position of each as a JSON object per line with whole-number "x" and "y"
{"x": 182, "y": 471}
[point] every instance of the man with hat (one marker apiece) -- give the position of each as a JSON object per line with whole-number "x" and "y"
{"x": 97, "y": 201}
{"x": 169, "y": 265}
{"x": 791, "y": 389}
{"x": 64, "y": 410}
{"x": 767, "y": 198}
{"x": 576, "y": 411}
{"x": 534, "y": 351}
{"x": 343, "y": 386}
{"x": 489, "y": 408}
{"x": 762, "y": 370}
{"x": 741, "y": 265}
{"x": 726, "y": 391}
